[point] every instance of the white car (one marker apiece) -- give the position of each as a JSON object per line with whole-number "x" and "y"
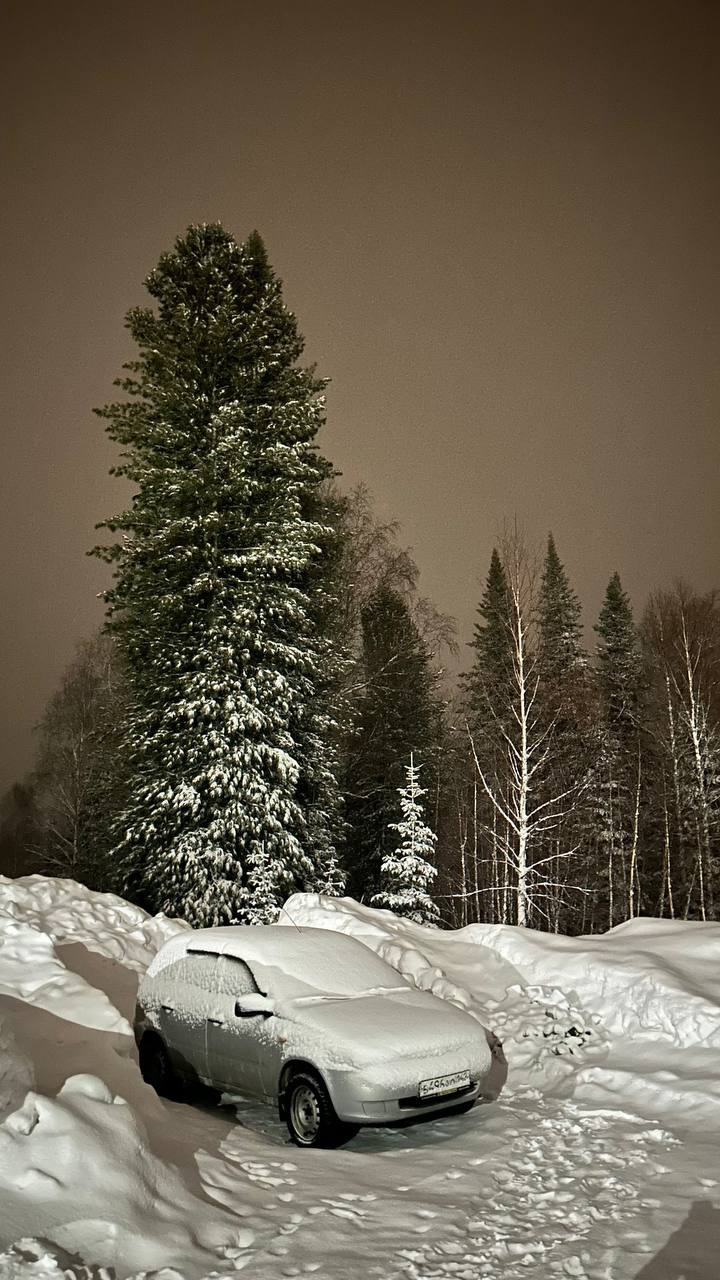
{"x": 314, "y": 1021}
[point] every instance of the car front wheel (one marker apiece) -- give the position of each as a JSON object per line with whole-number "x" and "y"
{"x": 310, "y": 1115}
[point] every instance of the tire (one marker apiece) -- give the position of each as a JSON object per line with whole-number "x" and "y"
{"x": 310, "y": 1115}
{"x": 156, "y": 1068}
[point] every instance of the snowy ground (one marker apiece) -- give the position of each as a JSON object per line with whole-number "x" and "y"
{"x": 601, "y": 1159}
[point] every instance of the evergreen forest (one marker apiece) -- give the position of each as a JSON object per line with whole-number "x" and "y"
{"x": 273, "y": 706}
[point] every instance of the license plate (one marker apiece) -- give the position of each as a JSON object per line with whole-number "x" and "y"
{"x": 443, "y": 1084}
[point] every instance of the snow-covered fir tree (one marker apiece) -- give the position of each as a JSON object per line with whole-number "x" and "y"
{"x": 218, "y": 591}
{"x": 487, "y": 681}
{"x": 408, "y": 871}
{"x": 330, "y": 880}
{"x": 564, "y": 704}
{"x": 559, "y": 623}
{"x": 397, "y": 710}
{"x": 619, "y": 660}
{"x": 618, "y": 765}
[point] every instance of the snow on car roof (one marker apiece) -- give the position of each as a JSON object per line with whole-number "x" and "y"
{"x": 290, "y": 962}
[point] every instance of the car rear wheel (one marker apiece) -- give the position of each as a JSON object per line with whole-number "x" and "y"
{"x": 156, "y": 1068}
{"x": 310, "y": 1115}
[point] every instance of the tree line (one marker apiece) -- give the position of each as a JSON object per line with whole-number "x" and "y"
{"x": 590, "y": 790}
{"x": 268, "y": 707}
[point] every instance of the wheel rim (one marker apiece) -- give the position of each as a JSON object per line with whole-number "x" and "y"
{"x": 305, "y": 1113}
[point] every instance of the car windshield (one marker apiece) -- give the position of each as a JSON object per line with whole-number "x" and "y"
{"x": 312, "y": 962}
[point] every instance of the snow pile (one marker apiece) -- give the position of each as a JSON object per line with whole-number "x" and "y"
{"x": 16, "y": 1071}
{"x": 547, "y": 1035}
{"x": 612, "y": 1042}
{"x": 645, "y": 978}
{"x": 103, "y": 922}
{"x": 31, "y": 971}
{"x": 50, "y": 1145}
{"x": 83, "y": 1148}
{"x": 634, "y": 1012}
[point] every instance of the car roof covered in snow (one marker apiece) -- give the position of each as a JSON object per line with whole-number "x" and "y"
{"x": 288, "y": 961}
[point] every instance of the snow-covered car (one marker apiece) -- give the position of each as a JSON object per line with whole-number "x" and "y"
{"x": 312, "y": 1020}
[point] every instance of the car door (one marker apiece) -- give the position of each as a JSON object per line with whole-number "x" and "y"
{"x": 164, "y": 1000}
{"x": 233, "y": 1042}
{"x": 187, "y": 993}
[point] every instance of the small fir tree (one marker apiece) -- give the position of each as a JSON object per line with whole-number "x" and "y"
{"x": 407, "y": 872}
{"x": 397, "y": 710}
{"x": 331, "y": 879}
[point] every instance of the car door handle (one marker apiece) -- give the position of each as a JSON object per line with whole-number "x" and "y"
{"x": 168, "y": 1008}
{"x": 217, "y": 1022}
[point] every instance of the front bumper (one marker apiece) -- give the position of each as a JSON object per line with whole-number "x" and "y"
{"x": 395, "y": 1110}
{"x": 383, "y": 1095}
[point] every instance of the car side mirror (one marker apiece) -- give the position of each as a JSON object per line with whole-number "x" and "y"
{"x": 254, "y": 1005}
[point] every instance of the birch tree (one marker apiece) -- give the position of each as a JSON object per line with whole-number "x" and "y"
{"x": 80, "y": 783}
{"x": 682, "y": 639}
{"x": 524, "y": 810}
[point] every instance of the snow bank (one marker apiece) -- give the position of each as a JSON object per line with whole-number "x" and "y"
{"x": 633, "y": 1013}
{"x": 99, "y": 1177}
{"x": 547, "y": 1034}
{"x": 645, "y": 978}
{"x": 16, "y": 1070}
{"x": 69, "y": 913}
{"x": 85, "y": 1156}
{"x": 31, "y": 971}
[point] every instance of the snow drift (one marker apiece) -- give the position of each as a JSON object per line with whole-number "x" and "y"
{"x": 634, "y": 1012}
{"x": 574, "y": 1171}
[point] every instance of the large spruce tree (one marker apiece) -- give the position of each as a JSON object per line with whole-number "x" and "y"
{"x": 218, "y": 591}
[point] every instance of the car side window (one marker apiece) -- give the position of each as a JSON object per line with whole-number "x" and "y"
{"x": 200, "y": 971}
{"x": 234, "y": 978}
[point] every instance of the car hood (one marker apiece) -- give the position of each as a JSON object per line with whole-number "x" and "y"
{"x": 379, "y": 1027}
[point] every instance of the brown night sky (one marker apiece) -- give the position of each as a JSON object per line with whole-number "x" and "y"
{"x": 496, "y": 222}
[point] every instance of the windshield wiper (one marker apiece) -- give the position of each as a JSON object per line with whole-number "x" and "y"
{"x": 342, "y": 995}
